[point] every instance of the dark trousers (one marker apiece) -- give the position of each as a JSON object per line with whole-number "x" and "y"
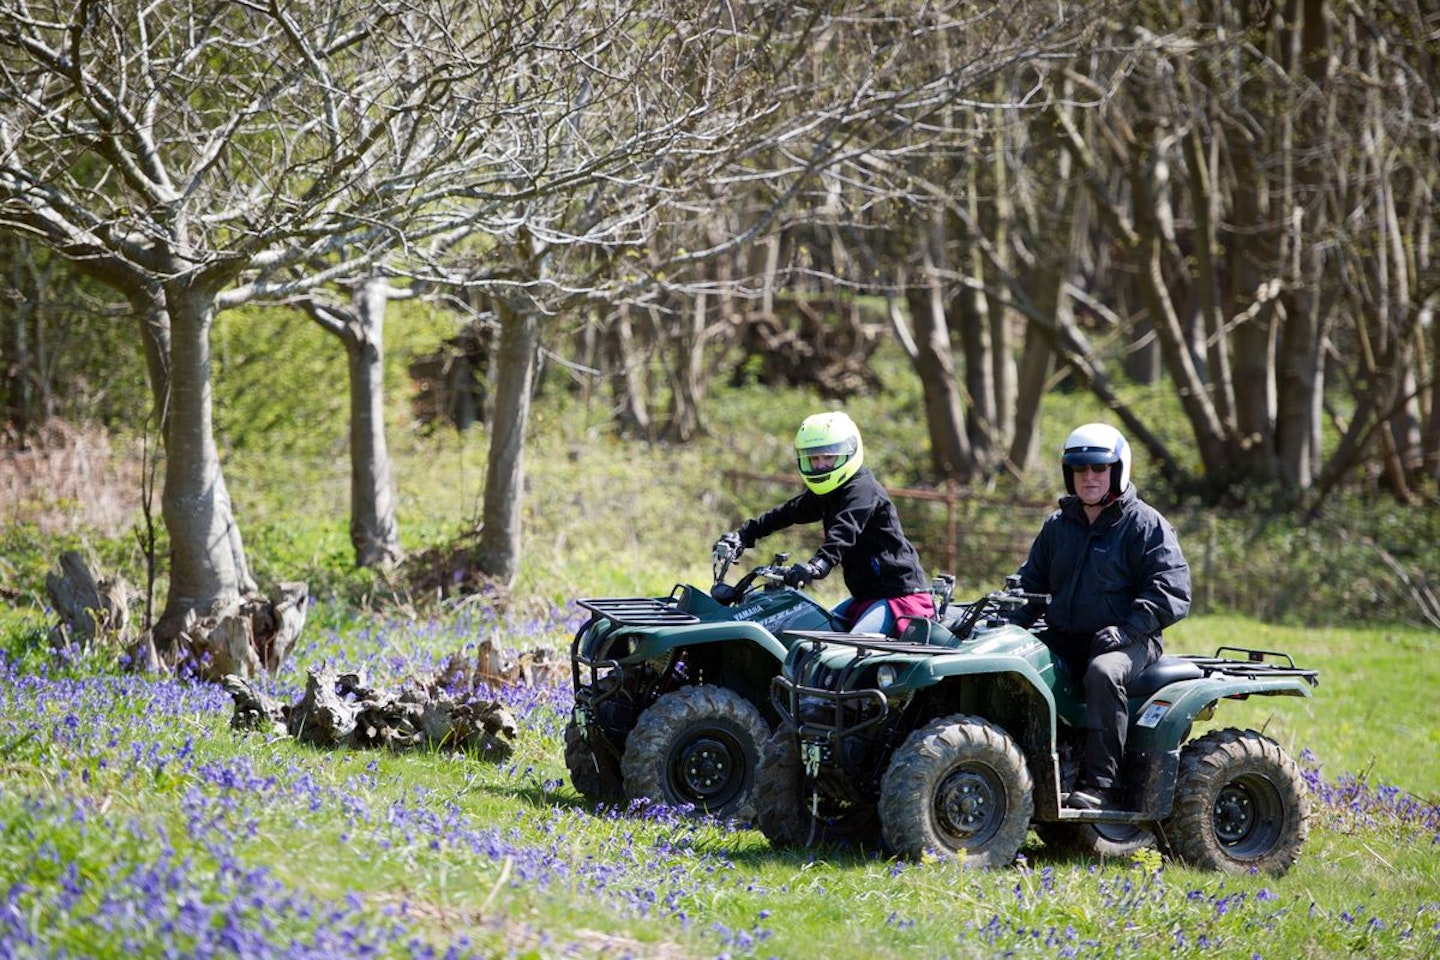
{"x": 1106, "y": 707}
{"x": 1107, "y": 714}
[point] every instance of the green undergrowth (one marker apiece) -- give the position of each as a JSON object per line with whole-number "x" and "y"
{"x": 605, "y": 513}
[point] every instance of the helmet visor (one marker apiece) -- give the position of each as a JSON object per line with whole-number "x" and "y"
{"x": 1076, "y": 456}
{"x": 835, "y": 454}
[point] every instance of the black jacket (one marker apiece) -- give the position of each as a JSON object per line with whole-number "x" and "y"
{"x": 862, "y": 536}
{"x": 1125, "y": 570}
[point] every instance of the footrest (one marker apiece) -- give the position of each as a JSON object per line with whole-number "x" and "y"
{"x": 1070, "y": 815}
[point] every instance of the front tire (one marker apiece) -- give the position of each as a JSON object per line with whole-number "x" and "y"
{"x": 596, "y": 775}
{"x": 785, "y": 815}
{"x": 696, "y": 746}
{"x": 1240, "y": 805}
{"x": 959, "y": 788}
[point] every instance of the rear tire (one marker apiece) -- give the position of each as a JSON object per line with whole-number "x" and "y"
{"x": 696, "y": 746}
{"x": 1240, "y": 805}
{"x": 784, "y": 814}
{"x": 596, "y": 776}
{"x": 958, "y": 788}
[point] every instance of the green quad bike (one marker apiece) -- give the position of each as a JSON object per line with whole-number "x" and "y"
{"x": 958, "y": 737}
{"x": 672, "y": 694}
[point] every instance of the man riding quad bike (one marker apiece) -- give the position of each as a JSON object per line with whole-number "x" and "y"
{"x": 672, "y": 693}
{"x": 957, "y": 738}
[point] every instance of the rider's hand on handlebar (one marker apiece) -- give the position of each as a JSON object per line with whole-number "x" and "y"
{"x": 802, "y": 573}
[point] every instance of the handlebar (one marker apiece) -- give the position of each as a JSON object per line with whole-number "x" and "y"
{"x": 728, "y": 593}
{"x": 1011, "y": 596}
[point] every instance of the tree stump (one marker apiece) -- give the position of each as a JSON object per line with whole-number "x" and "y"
{"x": 254, "y": 636}
{"x": 90, "y": 609}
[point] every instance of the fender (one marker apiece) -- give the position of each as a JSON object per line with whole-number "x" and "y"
{"x": 1161, "y": 722}
{"x": 658, "y": 641}
{"x": 1038, "y": 678}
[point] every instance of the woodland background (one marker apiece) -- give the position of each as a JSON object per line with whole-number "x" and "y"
{"x": 1216, "y": 222}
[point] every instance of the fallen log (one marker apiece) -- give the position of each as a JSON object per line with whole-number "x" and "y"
{"x": 340, "y": 710}
{"x": 251, "y": 637}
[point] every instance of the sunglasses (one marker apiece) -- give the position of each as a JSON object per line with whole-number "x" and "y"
{"x": 1092, "y": 468}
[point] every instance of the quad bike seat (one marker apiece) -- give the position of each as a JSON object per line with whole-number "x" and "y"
{"x": 1162, "y": 673}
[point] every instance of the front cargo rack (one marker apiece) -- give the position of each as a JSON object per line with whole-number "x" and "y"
{"x": 869, "y": 642}
{"x": 640, "y": 611}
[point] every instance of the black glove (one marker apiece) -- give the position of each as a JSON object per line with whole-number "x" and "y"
{"x": 803, "y": 573}
{"x": 729, "y": 544}
{"x": 1108, "y": 640}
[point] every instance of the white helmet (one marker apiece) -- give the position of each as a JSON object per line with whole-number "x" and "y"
{"x": 1097, "y": 443}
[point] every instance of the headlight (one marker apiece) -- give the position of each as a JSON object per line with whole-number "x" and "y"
{"x": 885, "y": 674}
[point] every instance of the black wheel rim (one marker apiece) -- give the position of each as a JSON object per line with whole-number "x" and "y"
{"x": 1248, "y": 816}
{"x": 969, "y": 806}
{"x": 708, "y": 769}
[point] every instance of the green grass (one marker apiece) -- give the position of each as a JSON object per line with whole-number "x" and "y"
{"x": 121, "y": 780}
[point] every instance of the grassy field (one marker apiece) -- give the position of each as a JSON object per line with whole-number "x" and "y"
{"x": 135, "y": 822}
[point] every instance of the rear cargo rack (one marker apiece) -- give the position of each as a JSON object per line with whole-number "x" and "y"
{"x": 1255, "y": 664}
{"x": 640, "y": 611}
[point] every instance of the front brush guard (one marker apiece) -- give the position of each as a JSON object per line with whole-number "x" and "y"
{"x": 589, "y": 673}
{"x": 821, "y": 718}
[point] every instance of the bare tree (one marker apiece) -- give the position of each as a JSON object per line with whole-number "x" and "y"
{"x": 360, "y": 327}
{"x": 742, "y": 110}
{"x": 195, "y": 155}
{"x": 918, "y": 186}
{"x": 1268, "y": 245}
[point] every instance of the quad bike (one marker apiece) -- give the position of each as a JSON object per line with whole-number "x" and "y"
{"x": 672, "y": 693}
{"x": 958, "y": 737}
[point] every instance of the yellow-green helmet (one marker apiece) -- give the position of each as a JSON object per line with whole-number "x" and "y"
{"x": 830, "y": 434}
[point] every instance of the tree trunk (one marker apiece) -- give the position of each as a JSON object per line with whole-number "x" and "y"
{"x": 1146, "y": 250}
{"x": 1037, "y": 360}
{"x": 1301, "y": 371}
{"x": 935, "y": 366}
{"x": 498, "y": 553}
{"x": 686, "y": 385}
{"x": 207, "y": 558}
{"x": 1058, "y": 226}
{"x": 1252, "y": 300}
{"x": 1002, "y": 337}
{"x": 626, "y": 363}
{"x": 1203, "y": 202}
{"x": 374, "y": 529}
{"x": 970, "y": 315}
{"x": 1430, "y": 442}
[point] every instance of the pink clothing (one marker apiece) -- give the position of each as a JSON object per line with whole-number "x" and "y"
{"x": 904, "y": 609}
